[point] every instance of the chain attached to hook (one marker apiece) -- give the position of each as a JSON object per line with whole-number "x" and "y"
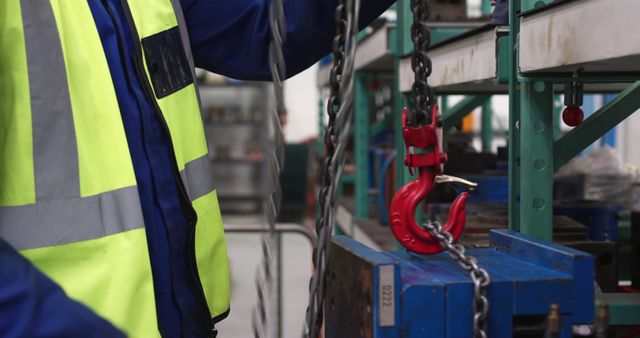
{"x": 423, "y": 136}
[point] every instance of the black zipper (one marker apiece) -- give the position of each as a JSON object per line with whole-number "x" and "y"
{"x": 185, "y": 201}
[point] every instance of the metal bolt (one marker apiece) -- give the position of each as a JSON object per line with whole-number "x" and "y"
{"x": 553, "y": 320}
{"x": 602, "y": 321}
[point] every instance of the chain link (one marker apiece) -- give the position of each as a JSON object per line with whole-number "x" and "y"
{"x": 267, "y": 292}
{"x": 423, "y": 95}
{"x": 479, "y": 276}
{"x": 424, "y": 100}
{"x": 335, "y": 140}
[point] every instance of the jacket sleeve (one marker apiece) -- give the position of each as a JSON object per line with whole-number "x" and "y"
{"x": 231, "y": 37}
{"x": 31, "y": 305}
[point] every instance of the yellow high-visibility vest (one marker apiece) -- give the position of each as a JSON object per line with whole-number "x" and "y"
{"x": 68, "y": 194}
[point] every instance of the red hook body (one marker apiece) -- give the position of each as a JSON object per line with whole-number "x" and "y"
{"x": 402, "y": 212}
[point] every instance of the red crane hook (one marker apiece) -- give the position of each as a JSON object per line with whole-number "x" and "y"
{"x": 428, "y": 140}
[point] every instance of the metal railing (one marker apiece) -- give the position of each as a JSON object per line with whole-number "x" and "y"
{"x": 281, "y": 228}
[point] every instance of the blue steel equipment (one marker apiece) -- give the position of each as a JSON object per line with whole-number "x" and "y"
{"x": 404, "y": 295}
{"x": 600, "y": 218}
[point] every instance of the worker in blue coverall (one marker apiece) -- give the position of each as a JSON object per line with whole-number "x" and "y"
{"x": 227, "y": 37}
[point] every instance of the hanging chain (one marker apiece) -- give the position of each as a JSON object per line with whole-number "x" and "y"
{"x": 424, "y": 100}
{"x": 267, "y": 292}
{"x": 335, "y": 139}
{"x": 423, "y": 95}
{"x": 479, "y": 276}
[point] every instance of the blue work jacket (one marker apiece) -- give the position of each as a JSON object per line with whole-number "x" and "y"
{"x": 227, "y": 37}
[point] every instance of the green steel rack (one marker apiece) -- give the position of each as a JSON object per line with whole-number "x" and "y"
{"x": 547, "y": 45}
{"x": 539, "y": 67}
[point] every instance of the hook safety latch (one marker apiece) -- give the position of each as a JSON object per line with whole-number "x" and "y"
{"x": 424, "y": 151}
{"x": 452, "y": 179}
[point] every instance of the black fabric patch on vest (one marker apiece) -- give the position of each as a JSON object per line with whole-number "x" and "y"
{"x": 167, "y": 62}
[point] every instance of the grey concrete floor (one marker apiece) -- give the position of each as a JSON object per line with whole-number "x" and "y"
{"x": 244, "y": 256}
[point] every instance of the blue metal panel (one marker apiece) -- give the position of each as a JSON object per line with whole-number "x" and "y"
{"x": 501, "y": 295}
{"x": 567, "y": 330}
{"x": 363, "y": 251}
{"x": 491, "y": 189}
{"x": 434, "y": 295}
{"x": 432, "y": 306}
{"x": 577, "y": 265}
{"x": 534, "y": 288}
{"x": 459, "y": 312}
{"x": 601, "y": 219}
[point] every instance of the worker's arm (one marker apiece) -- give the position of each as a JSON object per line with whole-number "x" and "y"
{"x": 31, "y": 305}
{"x": 231, "y": 37}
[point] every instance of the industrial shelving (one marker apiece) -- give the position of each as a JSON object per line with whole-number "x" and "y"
{"x": 604, "y": 53}
{"x": 376, "y": 58}
{"x": 235, "y": 127}
{"x": 466, "y": 64}
{"x": 548, "y": 45}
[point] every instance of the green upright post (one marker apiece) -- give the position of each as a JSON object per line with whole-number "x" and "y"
{"x": 405, "y": 20}
{"x": 486, "y": 7}
{"x": 536, "y": 159}
{"x": 399, "y": 102}
{"x": 361, "y": 145}
{"x": 558, "y": 105}
{"x": 401, "y": 46}
{"x": 487, "y": 127}
{"x": 514, "y": 117}
{"x": 487, "y": 108}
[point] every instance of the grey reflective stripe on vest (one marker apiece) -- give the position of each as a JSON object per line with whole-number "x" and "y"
{"x": 63, "y": 221}
{"x": 55, "y": 154}
{"x": 60, "y": 215}
{"x": 197, "y": 179}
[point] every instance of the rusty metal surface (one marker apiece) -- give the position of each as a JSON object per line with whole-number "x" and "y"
{"x": 349, "y": 299}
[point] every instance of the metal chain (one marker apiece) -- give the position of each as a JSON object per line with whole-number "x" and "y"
{"x": 424, "y": 100}
{"x": 267, "y": 292}
{"x": 335, "y": 140}
{"x": 423, "y": 95}
{"x": 479, "y": 276}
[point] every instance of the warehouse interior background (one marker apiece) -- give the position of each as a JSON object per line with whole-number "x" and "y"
{"x": 596, "y": 195}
